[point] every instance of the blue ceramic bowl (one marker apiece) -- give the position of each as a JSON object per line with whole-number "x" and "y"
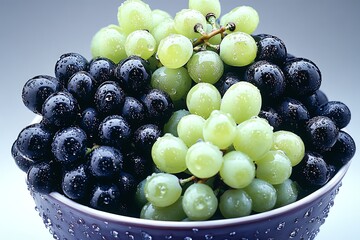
{"x": 68, "y": 220}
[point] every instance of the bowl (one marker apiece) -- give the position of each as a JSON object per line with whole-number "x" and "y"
{"x": 302, "y": 219}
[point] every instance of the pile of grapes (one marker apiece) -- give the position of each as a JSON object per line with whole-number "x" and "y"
{"x": 187, "y": 118}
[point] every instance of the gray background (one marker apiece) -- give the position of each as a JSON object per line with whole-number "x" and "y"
{"x": 33, "y": 34}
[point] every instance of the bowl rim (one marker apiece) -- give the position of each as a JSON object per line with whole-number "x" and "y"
{"x": 133, "y": 221}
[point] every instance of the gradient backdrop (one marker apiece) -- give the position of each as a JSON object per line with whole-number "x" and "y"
{"x": 35, "y": 33}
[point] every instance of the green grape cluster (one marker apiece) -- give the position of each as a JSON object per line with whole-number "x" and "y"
{"x": 213, "y": 158}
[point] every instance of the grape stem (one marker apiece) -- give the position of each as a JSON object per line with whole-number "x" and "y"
{"x": 186, "y": 180}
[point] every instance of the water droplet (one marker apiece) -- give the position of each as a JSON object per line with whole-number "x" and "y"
{"x": 281, "y": 226}
{"x": 187, "y": 238}
{"x": 294, "y": 233}
{"x": 115, "y": 234}
{"x": 95, "y": 227}
{"x": 168, "y": 237}
{"x": 308, "y": 212}
{"x": 208, "y": 237}
{"x": 146, "y": 236}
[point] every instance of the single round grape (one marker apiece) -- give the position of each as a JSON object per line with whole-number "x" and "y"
{"x": 242, "y": 101}
{"x": 168, "y": 154}
{"x": 159, "y": 16}
{"x": 109, "y": 42}
{"x": 175, "y": 82}
{"x": 199, "y": 202}
{"x": 246, "y": 19}
{"x": 172, "y": 124}
{"x": 205, "y": 66}
{"x": 163, "y": 29}
{"x": 286, "y": 193}
{"x": 140, "y": 43}
{"x": 162, "y": 189}
{"x": 291, "y": 144}
{"x": 235, "y": 203}
{"x": 204, "y": 159}
{"x": 321, "y": 133}
{"x": 274, "y": 167}
{"x": 254, "y": 137}
{"x": 337, "y": 111}
{"x": 134, "y": 15}
{"x": 202, "y": 99}
{"x": 263, "y": 195}
{"x": 185, "y": 21}
{"x": 174, "y": 212}
{"x": 206, "y": 6}
{"x": 238, "y": 170}
{"x": 174, "y": 45}
{"x": 238, "y": 49}
{"x": 219, "y": 129}
{"x": 190, "y": 129}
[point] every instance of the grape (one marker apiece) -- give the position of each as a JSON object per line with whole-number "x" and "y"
{"x": 163, "y": 29}
{"x": 168, "y": 153}
{"x": 190, "y": 129}
{"x": 206, "y": 6}
{"x": 174, "y": 212}
{"x": 263, "y": 195}
{"x": 205, "y": 66}
{"x": 199, "y": 202}
{"x": 216, "y": 39}
{"x": 185, "y": 21}
{"x": 202, "y": 99}
{"x": 286, "y": 192}
{"x": 238, "y": 49}
{"x": 109, "y": 42}
{"x": 235, "y": 203}
{"x": 336, "y": 111}
{"x": 162, "y": 189}
{"x": 158, "y": 16}
{"x": 204, "y": 159}
{"x": 274, "y": 167}
{"x": 246, "y": 19}
{"x": 254, "y": 137}
{"x": 175, "y": 82}
{"x": 140, "y": 198}
{"x": 174, "y": 45}
{"x": 238, "y": 170}
{"x": 219, "y": 129}
{"x": 242, "y": 101}
{"x": 172, "y": 124}
{"x": 291, "y": 144}
{"x": 140, "y": 43}
{"x": 134, "y": 15}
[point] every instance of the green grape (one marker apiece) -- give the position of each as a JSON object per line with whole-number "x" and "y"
{"x": 175, "y": 82}
{"x": 202, "y": 99}
{"x": 287, "y": 192}
{"x": 140, "y": 199}
{"x": 263, "y": 195}
{"x": 238, "y": 49}
{"x": 219, "y": 129}
{"x": 199, "y": 202}
{"x": 158, "y": 16}
{"x": 291, "y": 144}
{"x": 163, "y": 29}
{"x": 162, "y": 189}
{"x": 140, "y": 43}
{"x": 109, "y": 42}
{"x": 204, "y": 159}
{"x": 238, "y": 170}
{"x": 135, "y": 15}
{"x": 174, "y": 51}
{"x": 168, "y": 153}
{"x": 274, "y": 167}
{"x": 185, "y": 21}
{"x": 254, "y": 137}
{"x": 174, "y": 212}
{"x": 205, "y": 66}
{"x": 235, "y": 203}
{"x": 246, "y": 19}
{"x": 206, "y": 6}
{"x": 190, "y": 129}
{"x": 172, "y": 124}
{"x": 242, "y": 101}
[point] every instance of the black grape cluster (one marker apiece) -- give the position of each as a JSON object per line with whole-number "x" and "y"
{"x": 99, "y": 121}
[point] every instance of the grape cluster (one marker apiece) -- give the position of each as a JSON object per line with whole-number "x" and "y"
{"x": 187, "y": 118}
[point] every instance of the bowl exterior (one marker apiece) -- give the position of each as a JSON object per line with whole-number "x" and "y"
{"x": 65, "y": 221}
